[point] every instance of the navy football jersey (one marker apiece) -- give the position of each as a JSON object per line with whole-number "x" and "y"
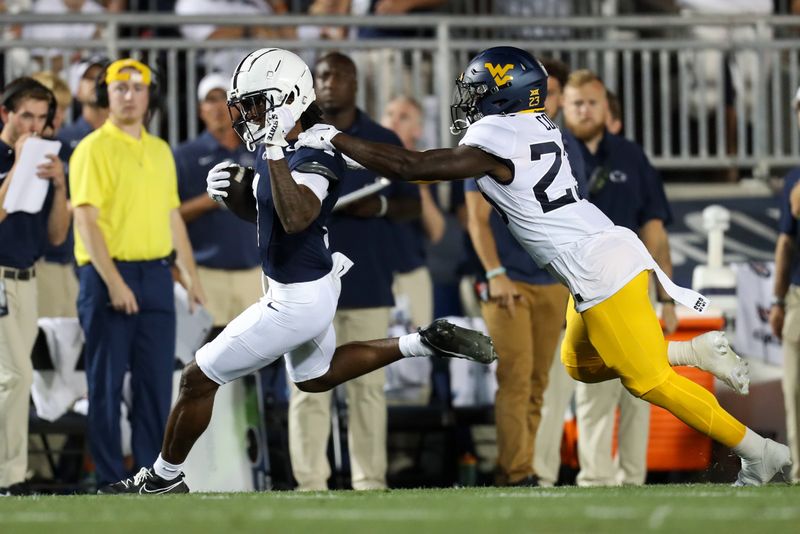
{"x": 304, "y": 256}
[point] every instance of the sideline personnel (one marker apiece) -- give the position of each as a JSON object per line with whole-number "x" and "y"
{"x": 125, "y": 195}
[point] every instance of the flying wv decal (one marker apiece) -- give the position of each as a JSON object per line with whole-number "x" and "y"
{"x": 499, "y": 73}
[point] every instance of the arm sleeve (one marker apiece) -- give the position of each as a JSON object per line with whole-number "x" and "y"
{"x": 317, "y": 183}
{"x": 87, "y": 181}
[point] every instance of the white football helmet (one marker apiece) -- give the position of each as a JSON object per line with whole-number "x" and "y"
{"x": 263, "y": 81}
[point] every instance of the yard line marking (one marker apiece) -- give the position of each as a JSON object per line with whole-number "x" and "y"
{"x": 658, "y": 516}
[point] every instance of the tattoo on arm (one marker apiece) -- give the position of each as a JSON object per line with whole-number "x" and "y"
{"x": 296, "y": 205}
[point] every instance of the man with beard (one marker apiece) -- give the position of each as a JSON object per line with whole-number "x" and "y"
{"x": 624, "y": 185}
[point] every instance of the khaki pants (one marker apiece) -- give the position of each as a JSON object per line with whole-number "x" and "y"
{"x": 229, "y": 293}
{"x": 416, "y": 288}
{"x": 58, "y": 289}
{"x": 310, "y": 415}
{"x": 547, "y": 452}
{"x": 595, "y": 406}
{"x": 18, "y": 332}
{"x": 525, "y": 345}
{"x": 791, "y": 375}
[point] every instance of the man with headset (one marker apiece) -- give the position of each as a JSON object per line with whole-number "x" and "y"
{"x": 28, "y": 108}
{"x": 124, "y": 191}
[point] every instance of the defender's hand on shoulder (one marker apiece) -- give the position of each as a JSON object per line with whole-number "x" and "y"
{"x": 319, "y": 136}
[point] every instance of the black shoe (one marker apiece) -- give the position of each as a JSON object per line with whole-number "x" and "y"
{"x": 16, "y": 490}
{"x": 146, "y": 482}
{"x": 451, "y": 341}
{"x": 530, "y": 481}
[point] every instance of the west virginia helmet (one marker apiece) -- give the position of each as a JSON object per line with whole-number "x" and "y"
{"x": 499, "y": 80}
{"x": 264, "y": 80}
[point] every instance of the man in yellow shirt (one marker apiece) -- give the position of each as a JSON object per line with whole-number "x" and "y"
{"x": 123, "y": 187}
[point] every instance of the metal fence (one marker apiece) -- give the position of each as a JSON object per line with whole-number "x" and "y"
{"x": 697, "y": 93}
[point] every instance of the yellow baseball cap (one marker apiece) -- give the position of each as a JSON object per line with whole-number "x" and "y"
{"x": 113, "y": 73}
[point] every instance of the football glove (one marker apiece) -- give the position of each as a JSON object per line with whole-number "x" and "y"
{"x": 279, "y": 123}
{"x": 318, "y": 136}
{"x": 218, "y": 180}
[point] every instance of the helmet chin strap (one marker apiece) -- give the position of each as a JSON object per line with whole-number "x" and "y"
{"x": 458, "y": 126}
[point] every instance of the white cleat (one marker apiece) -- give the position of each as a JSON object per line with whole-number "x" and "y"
{"x": 717, "y": 357}
{"x": 775, "y": 458}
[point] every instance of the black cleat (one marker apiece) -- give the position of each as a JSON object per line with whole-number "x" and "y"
{"x": 451, "y": 341}
{"x": 146, "y": 482}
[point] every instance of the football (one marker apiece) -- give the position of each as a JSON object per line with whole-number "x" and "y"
{"x": 240, "y": 194}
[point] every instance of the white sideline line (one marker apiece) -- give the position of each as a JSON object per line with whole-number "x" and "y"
{"x": 658, "y": 516}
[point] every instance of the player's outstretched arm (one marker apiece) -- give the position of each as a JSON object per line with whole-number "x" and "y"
{"x": 397, "y": 163}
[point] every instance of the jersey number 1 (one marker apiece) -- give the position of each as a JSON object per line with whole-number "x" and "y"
{"x": 539, "y": 190}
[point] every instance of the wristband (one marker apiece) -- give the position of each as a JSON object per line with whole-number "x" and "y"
{"x": 384, "y": 206}
{"x": 495, "y": 272}
{"x": 273, "y": 152}
{"x": 778, "y": 301}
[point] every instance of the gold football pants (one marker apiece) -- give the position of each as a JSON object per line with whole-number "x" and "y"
{"x": 622, "y": 338}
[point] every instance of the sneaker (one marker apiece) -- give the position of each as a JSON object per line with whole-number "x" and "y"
{"x": 146, "y": 482}
{"x": 451, "y": 341}
{"x": 716, "y": 356}
{"x": 775, "y": 459}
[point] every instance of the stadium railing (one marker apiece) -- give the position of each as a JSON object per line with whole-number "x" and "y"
{"x": 698, "y": 93}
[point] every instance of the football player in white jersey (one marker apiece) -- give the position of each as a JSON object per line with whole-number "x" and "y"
{"x": 612, "y": 329}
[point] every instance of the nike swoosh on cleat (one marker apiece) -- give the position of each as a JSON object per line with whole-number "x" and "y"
{"x": 143, "y": 490}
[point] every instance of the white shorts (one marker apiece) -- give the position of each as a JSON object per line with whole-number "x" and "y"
{"x": 295, "y": 320}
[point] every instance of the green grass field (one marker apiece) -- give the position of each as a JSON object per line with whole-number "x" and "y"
{"x": 707, "y": 509}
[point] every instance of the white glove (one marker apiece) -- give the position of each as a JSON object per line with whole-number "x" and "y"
{"x": 218, "y": 180}
{"x": 279, "y": 123}
{"x": 318, "y": 136}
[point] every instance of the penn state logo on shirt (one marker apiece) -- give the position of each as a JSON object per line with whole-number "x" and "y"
{"x": 205, "y": 160}
{"x": 617, "y": 177}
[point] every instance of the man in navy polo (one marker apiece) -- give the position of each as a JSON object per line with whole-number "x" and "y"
{"x": 524, "y": 314}
{"x": 784, "y": 313}
{"x": 413, "y": 288}
{"x": 626, "y": 187}
{"x": 227, "y": 259}
{"x": 25, "y": 113}
{"x": 362, "y": 232}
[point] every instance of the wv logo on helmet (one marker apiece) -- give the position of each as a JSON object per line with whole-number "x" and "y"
{"x": 499, "y": 72}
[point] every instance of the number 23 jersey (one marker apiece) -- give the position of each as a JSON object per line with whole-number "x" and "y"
{"x": 542, "y": 208}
